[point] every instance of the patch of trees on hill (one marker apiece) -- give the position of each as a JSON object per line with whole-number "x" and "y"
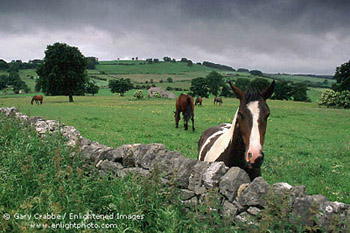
{"x": 91, "y": 62}
{"x": 13, "y": 80}
{"x": 283, "y": 90}
{"x": 339, "y": 96}
{"x": 217, "y": 66}
{"x": 243, "y": 70}
{"x": 16, "y": 65}
{"x": 204, "y": 86}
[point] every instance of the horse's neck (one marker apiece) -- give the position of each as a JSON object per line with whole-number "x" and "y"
{"x": 236, "y": 147}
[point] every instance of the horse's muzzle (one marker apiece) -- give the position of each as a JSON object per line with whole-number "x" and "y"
{"x": 257, "y": 163}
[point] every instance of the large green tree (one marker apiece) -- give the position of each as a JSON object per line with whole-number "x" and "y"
{"x": 63, "y": 71}
{"x": 215, "y": 82}
{"x": 242, "y": 83}
{"x": 3, "y": 65}
{"x": 282, "y": 91}
{"x": 342, "y": 75}
{"x": 91, "y": 62}
{"x": 226, "y": 91}
{"x": 3, "y": 81}
{"x": 199, "y": 87}
{"x": 120, "y": 85}
{"x": 299, "y": 92}
{"x": 260, "y": 84}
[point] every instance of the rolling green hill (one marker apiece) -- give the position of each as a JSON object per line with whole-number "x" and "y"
{"x": 141, "y": 72}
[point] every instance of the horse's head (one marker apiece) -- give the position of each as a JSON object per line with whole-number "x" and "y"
{"x": 252, "y": 121}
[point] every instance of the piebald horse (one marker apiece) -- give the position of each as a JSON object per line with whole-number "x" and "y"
{"x": 240, "y": 143}
{"x": 38, "y": 99}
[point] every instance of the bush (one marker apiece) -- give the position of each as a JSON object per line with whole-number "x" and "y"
{"x": 330, "y": 98}
{"x": 138, "y": 94}
{"x": 157, "y": 95}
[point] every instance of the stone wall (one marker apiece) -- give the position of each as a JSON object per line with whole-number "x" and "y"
{"x": 240, "y": 198}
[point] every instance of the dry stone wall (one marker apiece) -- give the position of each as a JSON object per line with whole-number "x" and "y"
{"x": 240, "y": 198}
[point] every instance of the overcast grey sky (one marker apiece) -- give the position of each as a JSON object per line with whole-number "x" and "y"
{"x": 293, "y": 36}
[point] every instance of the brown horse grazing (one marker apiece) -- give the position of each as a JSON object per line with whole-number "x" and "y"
{"x": 199, "y": 101}
{"x": 217, "y": 100}
{"x": 37, "y": 99}
{"x": 184, "y": 104}
{"x": 240, "y": 143}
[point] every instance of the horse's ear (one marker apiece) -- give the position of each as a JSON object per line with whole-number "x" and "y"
{"x": 238, "y": 92}
{"x": 268, "y": 91}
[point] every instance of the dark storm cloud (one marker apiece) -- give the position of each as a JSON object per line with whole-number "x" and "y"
{"x": 274, "y": 36}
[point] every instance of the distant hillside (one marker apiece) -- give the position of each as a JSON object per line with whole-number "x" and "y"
{"x": 143, "y": 67}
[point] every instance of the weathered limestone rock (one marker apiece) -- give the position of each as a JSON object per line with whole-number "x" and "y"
{"x": 9, "y": 112}
{"x": 229, "y": 209}
{"x": 195, "y": 179}
{"x": 305, "y": 208}
{"x": 231, "y": 181}
{"x": 145, "y": 154}
{"x": 72, "y": 134}
{"x": 296, "y": 192}
{"x": 333, "y": 214}
{"x": 281, "y": 188}
{"x": 191, "y": 202}
{"x": 253, "y": 211}
{"x": 164, "y": 94}
{"x": 213, "y": 174}
{"x": 246, "y": 218}
{"x": 133, "y": 170}
{"x": 109, "y": 166}
{"x": 186, "y": 194}
{"x": 255, "y": 193}
{"x": 183, "y": 172}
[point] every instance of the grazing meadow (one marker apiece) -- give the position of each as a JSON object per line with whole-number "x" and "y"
{"x": 304, "y": 144}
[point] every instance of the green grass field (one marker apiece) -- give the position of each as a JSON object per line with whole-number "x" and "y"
{"x": 304, "y": 144}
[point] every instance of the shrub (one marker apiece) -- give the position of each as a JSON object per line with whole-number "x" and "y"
{"x": 330, "y": 98}
{"x": 157, "y": 95}
{"x": 138, "y": 94}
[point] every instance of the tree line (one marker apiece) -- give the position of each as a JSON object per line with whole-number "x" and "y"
{"x": 214, "y": 84}
{"x": 339, "y": 95}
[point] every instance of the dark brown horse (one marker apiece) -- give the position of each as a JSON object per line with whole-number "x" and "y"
{"x": 240, "y": 143}
{"x": 199, "y": 101}
{"x": 184, "y": 104}
{"x": 218, "y": 100}
{"x": 38, "y": 99}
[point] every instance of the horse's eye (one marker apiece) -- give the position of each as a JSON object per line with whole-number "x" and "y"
{"x": 240, "y": 114}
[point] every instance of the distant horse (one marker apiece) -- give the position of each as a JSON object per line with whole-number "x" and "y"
{"x": 199, "y": 101}
{"x": 37, "y": 99}
{"x": 240, "y": 143}
{"x": 218, "y": 100}
{"x": 184, "y": 104}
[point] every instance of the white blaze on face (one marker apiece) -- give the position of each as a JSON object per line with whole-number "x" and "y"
{"x": 255, "y": 147}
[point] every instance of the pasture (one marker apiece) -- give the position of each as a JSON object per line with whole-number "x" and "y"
{"x": 304, "y": 144}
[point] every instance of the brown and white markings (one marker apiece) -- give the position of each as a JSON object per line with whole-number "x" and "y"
{"x": 240, "y": 143}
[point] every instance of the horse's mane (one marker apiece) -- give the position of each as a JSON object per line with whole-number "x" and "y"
{"x": 252, "y": 94}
